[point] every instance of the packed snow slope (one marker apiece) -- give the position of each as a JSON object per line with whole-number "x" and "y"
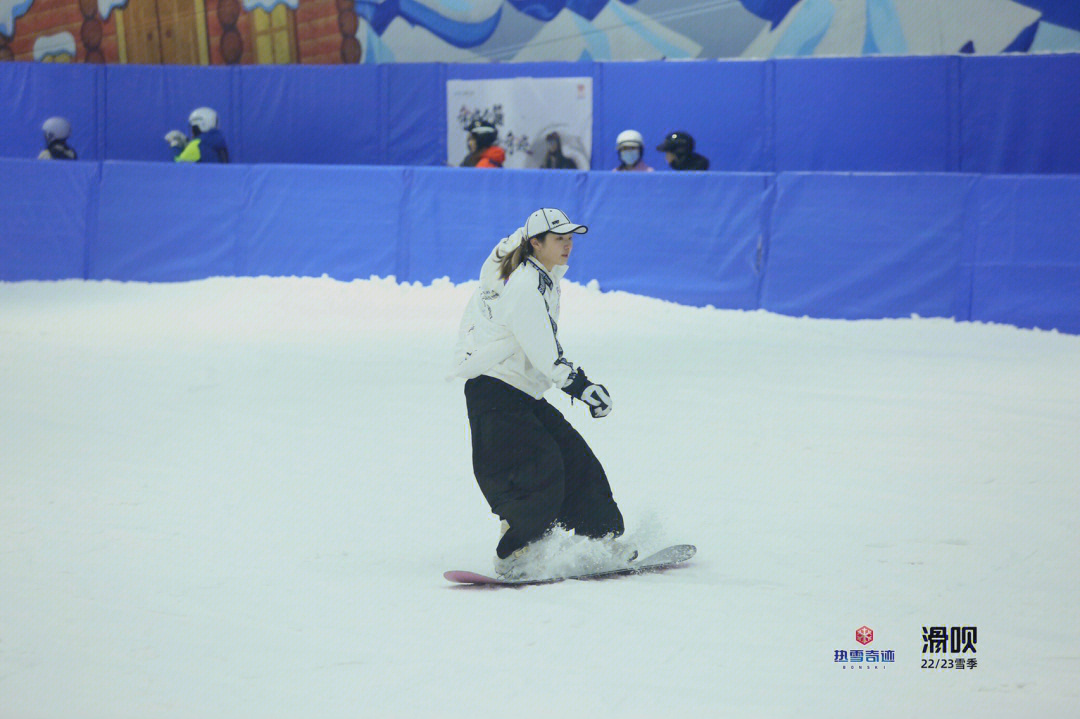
{"x": 236, "y": 498}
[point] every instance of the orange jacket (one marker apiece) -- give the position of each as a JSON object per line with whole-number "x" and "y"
{"x": 493, "y": 156}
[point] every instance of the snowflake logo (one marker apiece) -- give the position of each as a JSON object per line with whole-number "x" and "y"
{"x": 864, "y": 635}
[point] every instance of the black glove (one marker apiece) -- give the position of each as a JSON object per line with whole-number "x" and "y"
{"x": 594, "y": 395}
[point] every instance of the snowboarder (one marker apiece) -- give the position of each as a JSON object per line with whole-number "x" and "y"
{"x": 532, "y": 466}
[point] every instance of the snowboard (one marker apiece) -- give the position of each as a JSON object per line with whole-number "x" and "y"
{"x": 664, "y": 559}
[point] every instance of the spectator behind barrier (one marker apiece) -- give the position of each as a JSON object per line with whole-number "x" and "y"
{"x": 555, "y": 159}
{"x": 483, "y": 152}
{"x": 206, "y": 144}
{"x": 678, "y": 147}
{"x": 57, "y": 130}
{"x": 631, "y": 146}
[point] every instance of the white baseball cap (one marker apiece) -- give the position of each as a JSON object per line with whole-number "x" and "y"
{"x": 547, "y": 219}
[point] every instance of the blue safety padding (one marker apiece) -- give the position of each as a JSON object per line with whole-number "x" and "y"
{"x": 143, "y": 102}
{"x": 866, "y": 114}
{"x": 413, "y": 135}
{"x": 986, "y": 114}
{"x": 312, "y": 115}
{"x": 453, "y": 217}
{"x": 34, "y": 92}
{"x": 309, "y": 221}
{"x": 45, "y": 218}
{"x": 868, "y": 246}
{"x": 726, "y": 107}
{"x": 841, "y": 245}
{"x": 1026, "y": 253}
{"x": 1020, "y": 117}
{"x": 162, "y": 222}
{"x": 694, "y": 238}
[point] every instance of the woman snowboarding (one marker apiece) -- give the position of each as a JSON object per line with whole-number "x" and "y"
{"x": 533, "y": 468}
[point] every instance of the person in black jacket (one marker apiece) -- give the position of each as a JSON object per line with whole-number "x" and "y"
{"x": 555, "y": 159}
{"x": 678, "y": 147}
{"x": 57, "y": 130}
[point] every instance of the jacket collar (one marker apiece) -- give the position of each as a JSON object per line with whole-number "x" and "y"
{"x": 532, "y": 260}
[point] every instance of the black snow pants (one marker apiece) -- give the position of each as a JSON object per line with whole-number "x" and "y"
{"x": 534, "y": 469}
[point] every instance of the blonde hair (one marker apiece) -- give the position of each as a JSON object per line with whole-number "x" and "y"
{"x": 510, "y": 261}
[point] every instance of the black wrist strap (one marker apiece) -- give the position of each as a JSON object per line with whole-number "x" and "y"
{"x": 578, "y": 383}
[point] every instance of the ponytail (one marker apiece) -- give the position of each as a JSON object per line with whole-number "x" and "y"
{"x": 510, "y": 261}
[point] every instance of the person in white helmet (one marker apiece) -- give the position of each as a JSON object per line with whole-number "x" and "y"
{"x": 534, "y": 469}
{"x": 631, "y": 145}
{"x": 206, "y": 144}
{"x": 57, "y": 130}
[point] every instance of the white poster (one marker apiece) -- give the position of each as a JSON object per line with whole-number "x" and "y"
{"x": 525, "y": 111}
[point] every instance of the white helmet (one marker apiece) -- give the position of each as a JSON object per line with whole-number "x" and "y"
{"x": 629, "y": 137}
{"x": 56, "y": 128}
{"x": 203, "y": 118}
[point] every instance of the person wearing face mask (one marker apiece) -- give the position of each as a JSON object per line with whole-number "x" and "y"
{"x": 630, "y": 145}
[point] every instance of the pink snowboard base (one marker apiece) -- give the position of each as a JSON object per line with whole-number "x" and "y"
{"x": 664, "y": 559}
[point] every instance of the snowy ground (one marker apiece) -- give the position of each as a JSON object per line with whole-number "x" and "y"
{"x": 237, "y": 497}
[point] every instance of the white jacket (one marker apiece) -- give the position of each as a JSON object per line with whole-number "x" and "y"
{"x": 510, "y": 330}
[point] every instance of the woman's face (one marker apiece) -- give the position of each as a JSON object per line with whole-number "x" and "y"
{"x": 553, "y": 249}
{"x": 471, "y": 141}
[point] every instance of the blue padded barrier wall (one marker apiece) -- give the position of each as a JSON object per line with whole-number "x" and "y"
{"x": 453, "y": 217}
{"x": 867, "y": 114}
{"x": 167, "y": 222}
{"x": 33, "y": 92}
{"x": 868, "y": 246}
{"x": 311, "y": 114}
{"x": 143, "y": 102}
{"x": 727, "y": 107}
{"x": 694, "y": 238}
{"x": 47, "y": 218}
{"x": 184, "y": 222}
{"x": 988, "y": 248}
{"x": 410, "y": 135}
{"x": 1025, "y": 253}
{"x": 341, "y": 221}
{"x": 1008, "y": 114}
{"x": 1021, "y": 116}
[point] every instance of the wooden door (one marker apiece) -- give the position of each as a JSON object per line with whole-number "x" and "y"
{"x": 141, "y": 38}
{"x": 183, "y": 32}
{"x": 164, "y": 31}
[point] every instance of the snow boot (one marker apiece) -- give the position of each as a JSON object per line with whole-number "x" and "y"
{"x": 622, "y": 551}
{"x": 512, "y": 567}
